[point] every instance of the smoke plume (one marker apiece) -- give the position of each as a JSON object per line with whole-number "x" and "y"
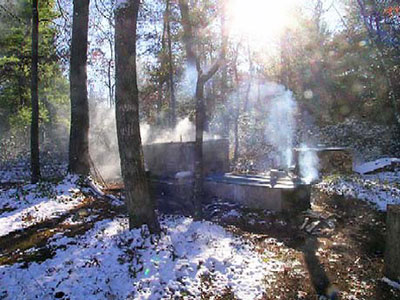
{"x": 308, "y": 163}
{"x": 104, "y": 143}
{"x": 281, "y": 123}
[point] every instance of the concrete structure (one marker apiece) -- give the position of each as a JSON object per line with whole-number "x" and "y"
{"x": 392, "y": 252}
{"x": 281, "y": 193}
{"x": 167, "y": 159}
{"x": 277, "y": 191}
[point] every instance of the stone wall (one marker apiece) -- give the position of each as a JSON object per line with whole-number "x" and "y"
{"x": 167, "y": 159}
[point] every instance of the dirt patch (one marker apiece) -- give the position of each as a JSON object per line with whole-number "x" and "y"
{"x": 345, "y": 262}
{"x": 31, "y": 244}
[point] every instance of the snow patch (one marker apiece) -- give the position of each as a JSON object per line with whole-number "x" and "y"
{"x": 378, "y": 189}
{"x": 375, "y": 165}
{"x": 391, "y": 283}
{"x": 111, "y": 262}
{"x": 35, "y": 203}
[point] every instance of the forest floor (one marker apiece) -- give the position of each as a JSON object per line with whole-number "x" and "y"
{"x": 59, "y": 239}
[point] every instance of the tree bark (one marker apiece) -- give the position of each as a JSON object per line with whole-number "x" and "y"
{"x": 198, "y": 154}
{"x": 194, "y": 60}
{"x": 392, "y": 252}
{"x": 137, "y": 197}
{"x": 79, "y": 132}
{"x": 172, "y": 100}
{"x": 35, "y": 162}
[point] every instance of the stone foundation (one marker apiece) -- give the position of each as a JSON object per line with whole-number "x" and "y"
{"x": 167, "y": 159}
{"x": 261, "y": 192}
{"x": 255, "y": 192}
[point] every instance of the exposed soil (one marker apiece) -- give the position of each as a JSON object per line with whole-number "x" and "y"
{"x": 343, "y": 263}
{"x": 31, "y": 244}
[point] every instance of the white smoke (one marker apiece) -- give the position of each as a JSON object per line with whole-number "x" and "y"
{"x": 308, "y": 163}
{"x": 184, "y": 131}
{"x": 281, "y": 123}
{"x": 104, "y": 143}
{"x": 189, "y": 80}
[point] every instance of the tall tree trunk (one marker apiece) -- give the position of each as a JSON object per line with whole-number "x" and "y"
{"x": 198, "y": 155}
{"x": 202, "y": 78}
{"x": 137, "y": 196}
{"x": 172, "y": 100}
{"x": 79, "y": 133}
{"x": 237, "y": 108}
{"x": 35, "y": 163}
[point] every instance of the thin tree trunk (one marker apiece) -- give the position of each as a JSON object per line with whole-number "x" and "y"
{"x": 79, "y": 132}
{"x": 35, "y": 162}
{"x": 137, "y": 196}
{"x": 237, "y": 108}
{"x": 172, "y": 101}
{"x": 110, "y": 63}
{"x": 194, "y": 60}
{"x": 236, "y": 135}
{"x": 159, "y": 118}
{"x": 198, "y": 155}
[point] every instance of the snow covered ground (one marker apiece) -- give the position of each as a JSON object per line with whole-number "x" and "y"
{"x": 30, "y": 204}
{"x": 190, "y": 259}
{"x": 18, "y": 170}
{"x": 378, "y": 189}
{"x": 111, "y": 262}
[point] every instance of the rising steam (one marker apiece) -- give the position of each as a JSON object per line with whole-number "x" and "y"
{"x": 104, "y": 143}
{"x": 281, "y": 124}
{"x": 308, "y": 161}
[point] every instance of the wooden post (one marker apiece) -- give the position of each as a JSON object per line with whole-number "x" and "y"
{"x": 392, "y": 252}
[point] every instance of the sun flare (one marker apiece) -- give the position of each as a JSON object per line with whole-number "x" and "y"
{"x": 261, "y": 20}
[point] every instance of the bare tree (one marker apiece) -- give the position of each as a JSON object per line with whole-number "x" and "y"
{"x": 193, "y": 60}
{"x": 79, "y": 159}
{"x": 171, "y": 83}
{"x": 35, "y": 162}
{"x": 140, "y": 205}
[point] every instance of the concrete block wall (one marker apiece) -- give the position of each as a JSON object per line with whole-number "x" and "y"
{"x": 167, "y": 159}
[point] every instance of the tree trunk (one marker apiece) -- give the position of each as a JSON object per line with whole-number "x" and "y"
{"x": 236, "y": 136}
{"x": 35, "y": 163}
{"x": 79, "y": 132}
{"x": 392, "y": 252}
{"x": 198, "y": 149}
{"x": 194, "y": 60}
{"x": 137, "y": 196}
{"x": 172, "y": 100}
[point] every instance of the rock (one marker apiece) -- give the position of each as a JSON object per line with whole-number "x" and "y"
{"x": 59, "y": 295}
{"x": 310, "y": 228}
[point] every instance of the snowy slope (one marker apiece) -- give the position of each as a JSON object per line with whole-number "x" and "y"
{"x": 111, "y": 262}
{"x": 34, "y": 203}
{"x": 378, "y": 189}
